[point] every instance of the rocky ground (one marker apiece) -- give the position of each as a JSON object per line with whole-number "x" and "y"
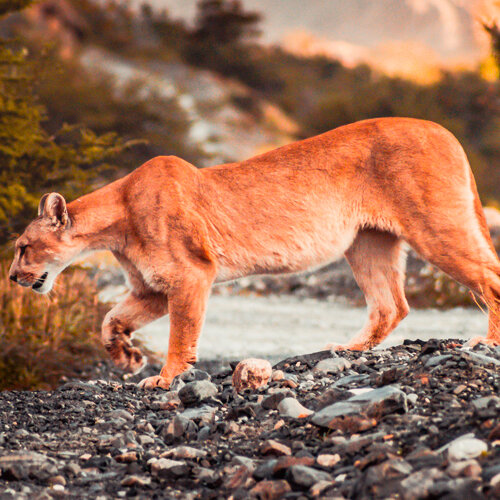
{"x": 419, "y": 420}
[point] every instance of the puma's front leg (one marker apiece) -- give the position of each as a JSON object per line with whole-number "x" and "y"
{"x": 119, "y": 324}
{"x": 187, "y": 306}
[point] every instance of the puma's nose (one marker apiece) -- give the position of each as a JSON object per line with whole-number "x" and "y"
{"x": 13, "y": 277}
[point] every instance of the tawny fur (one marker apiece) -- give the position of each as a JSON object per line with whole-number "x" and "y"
{"x": 359, "y": 190}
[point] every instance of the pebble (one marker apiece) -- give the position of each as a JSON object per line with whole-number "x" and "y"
{"x": 305, "y": 476}
{"x": 138, "y": 481}
{"x": 271, "y": 490}
{"x": 123, "y": 414}
{"x": 332, "y": 365}
{"x": 184, "y": 452}
{"x": 290, "y": 407}
{"x": 483, "y": 360}
{"x": 193, "y": 393}
{"x": 468, "y": 468}
{"x": 127, "y": 458}
{"x": 251, "y": 373}
{"x": 164, "y": 467}
{"x": 272, "y": 447}
{"x": 466, "y": 448}
{"x": 203, "y": 414}
{"x": 380, "y": 401}
{"x": 328, "y": 460}
{"x": 486, "y": 402}
{"x": 272, "y": 401}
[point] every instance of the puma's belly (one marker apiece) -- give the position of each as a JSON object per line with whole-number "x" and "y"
{"x": 279, "y": 255}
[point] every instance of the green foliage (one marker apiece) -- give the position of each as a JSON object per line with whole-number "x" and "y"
{"x": 40, "y": 94}
{"x": 223, "y": 22}
{"x": 32, "y": 160}
{"x": 45, "y": 339}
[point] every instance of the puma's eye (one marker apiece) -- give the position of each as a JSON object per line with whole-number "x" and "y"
{"x": 22, "y": 250}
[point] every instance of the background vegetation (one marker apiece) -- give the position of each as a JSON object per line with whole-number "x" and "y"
{"x": 64, "y": 127}
{"x": 43, "y": 339}
{"x": 318, "y": 92}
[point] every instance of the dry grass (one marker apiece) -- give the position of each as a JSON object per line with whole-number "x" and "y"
{"x": 43, "y": 338}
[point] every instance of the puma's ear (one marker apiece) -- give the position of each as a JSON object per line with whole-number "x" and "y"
{"x": 53, "y": 206}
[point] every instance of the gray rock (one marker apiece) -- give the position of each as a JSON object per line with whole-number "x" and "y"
{"x": 332, "y": 365}
{"x": 352, "y": 379}
{"x": 486, "y": 402}
{"x": 144, "y": 440}
{"x": 194, "y": 374}
{"x": 265, "y": 470}
{"x": 124, "y": 414}
{"x": 437, "y": 360}
{"x": 482, "y": 359}
{"x": 177, "y": 384}
{"x": 290, "y": 407}
{"x": 72, "y": 469}
{"x": 80, "y": 386}
{"x": 203, "y": 433}
{"x": 412, "y": 398}
{"x": 195, "y": 392}
{"x": 164, "y": 467}
{"x": 105, "y": 442}
{"x": 383, "y": 400}
{"x": 191, "y": 375}
{"x": 21, "y": 465}
{"x": 176, "y": 428}
{"x": 305, "y": 476}
{"x": 324, "y": 417}
{"x": 206, "y": 476}
{"x": 417, "y": 485}
{"x": 241, "y": 460}
{"x": 203, "y": 414}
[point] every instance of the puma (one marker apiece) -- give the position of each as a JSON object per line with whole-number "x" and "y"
{"x": 360, "y": 190}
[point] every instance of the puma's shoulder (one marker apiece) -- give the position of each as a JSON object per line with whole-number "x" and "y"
{"x": 159, "y": 167}
{"x": 160, "y": 174}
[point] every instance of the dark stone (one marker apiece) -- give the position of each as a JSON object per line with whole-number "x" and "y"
{"x": 195, "y": 392}
{"x": 304, "y": 476}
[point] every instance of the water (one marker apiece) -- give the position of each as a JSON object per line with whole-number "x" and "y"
{"x": 275, "y": 327}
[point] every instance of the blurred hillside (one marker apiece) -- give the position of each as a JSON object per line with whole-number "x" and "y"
{"x": 346, "y": 28}
{"x": 209, "y": 91}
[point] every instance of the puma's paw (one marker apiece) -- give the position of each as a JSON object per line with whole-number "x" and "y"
{"x": 152, "y": 382}
{"x": 482, "y": 340}
{"x": 171, "y": 370}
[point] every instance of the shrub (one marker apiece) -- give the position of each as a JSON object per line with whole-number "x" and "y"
{"x": 45, "y": 338}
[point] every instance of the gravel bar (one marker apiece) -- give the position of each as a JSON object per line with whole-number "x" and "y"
{"x": 415, "y": 421}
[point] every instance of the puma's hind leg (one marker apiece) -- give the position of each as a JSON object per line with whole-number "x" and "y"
{"x": 465, "y": 253}
{"x": 377, "y": 260}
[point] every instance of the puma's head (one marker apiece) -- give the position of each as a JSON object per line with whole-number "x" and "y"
{"x": 45, "y": 248}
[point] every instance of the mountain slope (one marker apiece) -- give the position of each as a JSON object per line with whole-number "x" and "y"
{"x": 447, "y": 26}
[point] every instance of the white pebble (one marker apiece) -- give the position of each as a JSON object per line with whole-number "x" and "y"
{"x": 466, "y": 448}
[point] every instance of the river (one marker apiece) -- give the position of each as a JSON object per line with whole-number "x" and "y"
{"x": 274, "y": 327}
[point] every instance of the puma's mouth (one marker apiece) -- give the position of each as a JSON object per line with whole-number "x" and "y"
{"x": 40, "y": 281}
